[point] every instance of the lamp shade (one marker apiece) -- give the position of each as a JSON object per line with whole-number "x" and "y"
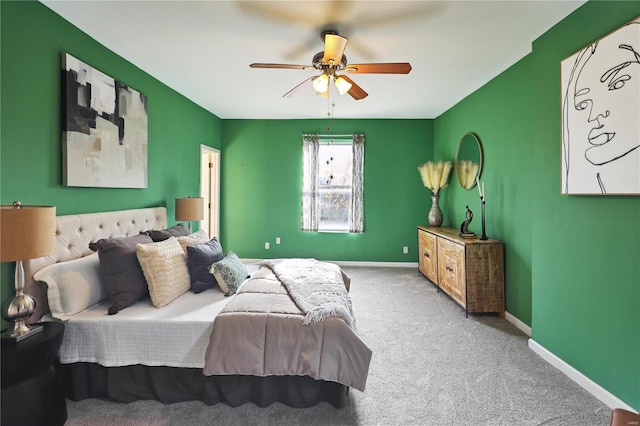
{"x": 26, "y": 232}
{"x": 321, "y": 84}
{"x": 343, "y": 85}
{"x": 190, "y": 208}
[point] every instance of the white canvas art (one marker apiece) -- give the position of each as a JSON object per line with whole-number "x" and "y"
{"x": 601, "y": 115}
{"x": 104, "y": 131}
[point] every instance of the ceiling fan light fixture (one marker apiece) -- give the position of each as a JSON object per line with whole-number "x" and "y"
{"x": 342, "y": 85}
{"x": 327, "y": 65}
{"x": 321, "y": 84}
{"x": 323, "y": 95}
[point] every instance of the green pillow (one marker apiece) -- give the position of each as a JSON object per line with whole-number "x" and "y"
{"x": 229, "y": 273}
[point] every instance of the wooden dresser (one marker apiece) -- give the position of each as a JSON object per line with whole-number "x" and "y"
{"x": 469, "y": 270}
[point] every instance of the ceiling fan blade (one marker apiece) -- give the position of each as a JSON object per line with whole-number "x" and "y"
{"x": 277, "y": 11}
{"x": 334, "y": 46}
{"x": 337, "y": 10}
{"x": 300, "y": 86}
{"x": 399, "y": 14}
{"x": 282, "y": 66}
{"x": 303, "y": 48}
{"x": 356, "y": 91}
{"x": 363, "y": 51}
{"x": 379, "y": 68}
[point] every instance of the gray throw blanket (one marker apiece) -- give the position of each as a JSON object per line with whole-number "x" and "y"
{"x": 317, "y": 288}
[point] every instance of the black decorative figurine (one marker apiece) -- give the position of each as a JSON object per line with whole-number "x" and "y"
{"x": 464, "y": 226}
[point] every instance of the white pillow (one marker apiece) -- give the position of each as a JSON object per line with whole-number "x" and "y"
{"x": 73, "y": 286}
{"x": 199, "y": 237}
{"x": 164, "y": 265}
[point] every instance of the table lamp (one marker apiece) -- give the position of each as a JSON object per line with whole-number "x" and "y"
{"x": 189, "y": 209}
{"x": 26, "y": 232}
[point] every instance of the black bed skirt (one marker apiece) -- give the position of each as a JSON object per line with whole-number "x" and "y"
{"x": 172, "y": 384}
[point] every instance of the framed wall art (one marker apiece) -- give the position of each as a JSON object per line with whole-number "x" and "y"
{"x": 601, "y": 115}
{"x": 104, "y": 129}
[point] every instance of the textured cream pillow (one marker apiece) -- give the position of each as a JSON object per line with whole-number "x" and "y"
{"x": 199, "y": 237}
{"x": 165, "y": 269}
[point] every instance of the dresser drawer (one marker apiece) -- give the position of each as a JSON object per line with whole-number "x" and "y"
{"x": 451, "y": 269}
{"x": 428, "y": 258}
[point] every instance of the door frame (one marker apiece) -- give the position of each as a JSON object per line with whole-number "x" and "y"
{"x": 210, "y": 189}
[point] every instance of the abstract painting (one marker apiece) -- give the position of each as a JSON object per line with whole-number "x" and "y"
{"x": 104, "y": 129}
{"x": 601, "y": 115}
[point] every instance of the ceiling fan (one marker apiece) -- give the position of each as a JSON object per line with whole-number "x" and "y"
{"x": 330, "y": 62}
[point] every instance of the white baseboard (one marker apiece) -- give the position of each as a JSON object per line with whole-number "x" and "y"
{"x": 589, "y": 385}
{"x": 379, "y": 264}
{"x": 519, "y": 324}
{"x": 357, "y": 263}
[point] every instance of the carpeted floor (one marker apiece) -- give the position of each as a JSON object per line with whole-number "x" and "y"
{"x": 430, "y": 366}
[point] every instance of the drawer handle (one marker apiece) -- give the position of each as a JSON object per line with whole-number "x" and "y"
{"x": 449, "y": 269}
{"x": 426, "y": 254}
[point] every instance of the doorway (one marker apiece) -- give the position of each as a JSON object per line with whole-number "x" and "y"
{"x": 210, "y": 189}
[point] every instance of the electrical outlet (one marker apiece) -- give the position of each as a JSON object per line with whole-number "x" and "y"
{"x": 405, "y": 249}
{"x": 277, "y": 240}
{"x": 266, "y": 246}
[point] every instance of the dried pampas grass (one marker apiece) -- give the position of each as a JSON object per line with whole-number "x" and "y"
{"x": 435, "y": 175}
{"x": 467, "y": 171}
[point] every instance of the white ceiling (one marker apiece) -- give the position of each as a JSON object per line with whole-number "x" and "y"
{"x": 202, "y": 49}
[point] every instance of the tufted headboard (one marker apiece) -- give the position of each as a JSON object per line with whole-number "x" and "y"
{"x": 75, "y": 232}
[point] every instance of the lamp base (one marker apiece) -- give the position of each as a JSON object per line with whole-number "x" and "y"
{"x": 20, "y": 332}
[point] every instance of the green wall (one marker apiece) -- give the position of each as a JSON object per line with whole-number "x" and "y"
{"x": 506, "y": 173}
{"x": 575, "y": 260}
{"x": 33, "y": 39}
{"x": 572, "y": 263}
{"x": 262, "y": 181}
{"x": 586, "y": 272}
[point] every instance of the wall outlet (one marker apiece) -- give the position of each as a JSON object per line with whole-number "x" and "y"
{"x": 266, "y": 246}
{"x": 405, "y": 249}
{"x": 277, "y": 240}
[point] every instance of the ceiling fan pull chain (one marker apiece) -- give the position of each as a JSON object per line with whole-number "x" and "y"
{"x": 330, "y": 103}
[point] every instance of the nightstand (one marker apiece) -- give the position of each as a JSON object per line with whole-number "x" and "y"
{"x": 32, "y": 393}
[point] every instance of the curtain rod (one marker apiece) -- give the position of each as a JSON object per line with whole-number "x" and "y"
{"x": 329, "y": 136}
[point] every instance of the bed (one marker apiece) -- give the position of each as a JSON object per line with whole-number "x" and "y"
{"x": 256, "y": 345}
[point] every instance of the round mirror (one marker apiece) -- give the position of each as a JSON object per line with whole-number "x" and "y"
{"x": 469, "y": 160}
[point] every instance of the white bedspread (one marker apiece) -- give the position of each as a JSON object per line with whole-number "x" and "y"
{"x": 175, "y": 335}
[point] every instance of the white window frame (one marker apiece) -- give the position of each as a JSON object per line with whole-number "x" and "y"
{"x": 310, "y": 215}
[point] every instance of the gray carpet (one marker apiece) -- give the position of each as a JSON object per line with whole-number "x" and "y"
{"x": 430, "y": 366}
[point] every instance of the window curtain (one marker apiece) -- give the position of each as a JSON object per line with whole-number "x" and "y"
{"x": 356, "y": 219}
{"x": 310, "y": 169}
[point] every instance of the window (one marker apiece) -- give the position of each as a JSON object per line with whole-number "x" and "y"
{"x": 332, "y": 187}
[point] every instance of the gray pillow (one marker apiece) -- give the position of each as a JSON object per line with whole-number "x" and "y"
{"x": 158, "y": 235}
{"x": 120, "y": 271}
{"x": 200, "y": 258}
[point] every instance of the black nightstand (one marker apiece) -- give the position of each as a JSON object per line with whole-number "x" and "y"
{"x": 32, "y": 393}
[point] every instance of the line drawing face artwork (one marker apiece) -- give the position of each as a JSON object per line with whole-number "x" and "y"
{"x": 104, "y": 129}
{"x": 601, "y": 115}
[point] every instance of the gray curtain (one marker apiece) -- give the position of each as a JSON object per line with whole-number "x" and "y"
{"x": 310, "y": 169}
{"x": 356, "y": 220}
